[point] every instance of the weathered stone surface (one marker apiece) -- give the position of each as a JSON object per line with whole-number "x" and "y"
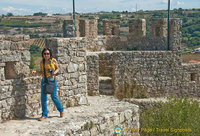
{"x": 93, "y": 69}
{"x": 72, "y": 67}
{"x": 82, "y": 120}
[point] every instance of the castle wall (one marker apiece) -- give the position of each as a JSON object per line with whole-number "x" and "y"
{"x": 88, "y": 28}
{"x": 105, "y": 63}
{"x": 111, "y": 27}
{"x": 68, "y": 28}
{"x": 92, "y": 74}
{"x": 137, "y": 28}
{"x": 137, "y": 39}
{"x": 14, "y": 65}
{"x": 72, "y": 79}
{"x": 154, "y": 73}
{"x": 20, "y": 93}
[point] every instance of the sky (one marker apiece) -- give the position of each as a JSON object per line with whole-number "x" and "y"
{"x": 28, "y": 7}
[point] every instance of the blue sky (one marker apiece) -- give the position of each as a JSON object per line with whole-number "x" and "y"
{"x": 28, "y": 7}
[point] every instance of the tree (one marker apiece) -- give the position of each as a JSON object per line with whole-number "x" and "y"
{"x": 9, "y": 14}
{"x": 40, "y": 14}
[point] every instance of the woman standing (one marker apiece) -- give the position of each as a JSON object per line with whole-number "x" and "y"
{"x": 51, "y": 68}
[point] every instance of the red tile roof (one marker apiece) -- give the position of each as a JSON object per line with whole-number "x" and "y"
{"x": 194, "y": 61}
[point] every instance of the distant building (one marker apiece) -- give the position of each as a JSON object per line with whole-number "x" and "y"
{"x": 194, "y": 61}
{"x": 197, "y": 50}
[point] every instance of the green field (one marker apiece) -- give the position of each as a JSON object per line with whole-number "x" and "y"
{"x": 21, "y": 23}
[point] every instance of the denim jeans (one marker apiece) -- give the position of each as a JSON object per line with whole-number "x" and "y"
{"x": 53, "y": 97}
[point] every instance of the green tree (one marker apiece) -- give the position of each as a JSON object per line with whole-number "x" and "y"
{"x": 40, "y": 14}
{"x": 32, "y": 64}
{"x": 9, "y": 14}
{"x": 34, "y": 49}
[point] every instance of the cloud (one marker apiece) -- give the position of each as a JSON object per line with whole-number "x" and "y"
{"x": 179, "y": 3}
{"x": 165, "y": 1}
{"x": 17, "y": 11}
{"x": 8, "y": 9}
{"x": 24, "y": 7}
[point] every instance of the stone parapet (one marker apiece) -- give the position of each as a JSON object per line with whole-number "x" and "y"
{"x": 92, "y": 74}
{"x": 159, "y": 27}
{"x": 88, "y": 28}
{"x": 137, "y": 28}
{"x": 68, "y": 28}
{"x": 99, "y": 118}
{"x": 156, "y": 73}
{"x": 72, "y": 79}
{"x": 111, "y": 27}
{"x": 20, "y": 94}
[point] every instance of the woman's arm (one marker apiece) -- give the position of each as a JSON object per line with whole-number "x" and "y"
{"x": 56, "y": 66}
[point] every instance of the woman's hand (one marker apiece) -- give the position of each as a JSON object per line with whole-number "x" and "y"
{"x": 33, "y": 72}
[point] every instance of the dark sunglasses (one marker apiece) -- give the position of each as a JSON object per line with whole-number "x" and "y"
{"x": 46, "y": 53}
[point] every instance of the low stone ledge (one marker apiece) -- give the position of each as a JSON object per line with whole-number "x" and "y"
{"x": 98, "y": 118}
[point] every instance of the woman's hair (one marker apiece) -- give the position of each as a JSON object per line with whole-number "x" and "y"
{"x": 47, "y": 49}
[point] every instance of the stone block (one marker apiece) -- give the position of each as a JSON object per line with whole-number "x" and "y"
{"x": 72, "y": 67}
{"x": 5, "y": 45}
{"x": 67, "y": 83}
{"x": 82, "y": 78}
{"x": 26, "y": 56}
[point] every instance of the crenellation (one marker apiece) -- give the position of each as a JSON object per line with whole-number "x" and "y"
{"x": 111, "y": 27}
{"x": 24, "y": 91}
{"x": 159, "y": 27}
{"x": 88, "y": 28}
{"x": 68, "y": 28}
{"x": 137, "y": 28}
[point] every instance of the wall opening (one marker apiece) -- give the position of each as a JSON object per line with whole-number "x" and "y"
{"x": 157, "y": 31}
{"x": 113, "y": 31}
{"x": 10, "y": 70}
{"x": 193, "y": 76}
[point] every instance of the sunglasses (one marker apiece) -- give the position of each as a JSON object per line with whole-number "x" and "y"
{"x": 45, "y": 53}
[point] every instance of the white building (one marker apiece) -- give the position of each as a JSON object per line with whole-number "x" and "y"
{"x": 197, "y": 50}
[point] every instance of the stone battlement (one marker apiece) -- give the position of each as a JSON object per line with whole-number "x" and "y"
{"x": 135, "y": 40}
{"x": 20, "y": 93}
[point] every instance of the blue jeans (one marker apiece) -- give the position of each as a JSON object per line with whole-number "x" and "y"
{"x": 53, "y": 97}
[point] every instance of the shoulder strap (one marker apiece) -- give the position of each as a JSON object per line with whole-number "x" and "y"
{"x": 45, "y": 77}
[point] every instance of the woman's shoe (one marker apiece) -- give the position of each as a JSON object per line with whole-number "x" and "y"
{"x": 62, "y": 114}
{"x": 42, "y": 118}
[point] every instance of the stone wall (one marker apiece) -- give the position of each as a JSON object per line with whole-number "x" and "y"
{"x": 137, "y": 28}
{"x": 159, "y": 27}
{"x": 103, "y": 43}
{"x": 20, "y": 94}
{"x": 14, "y": 65}
{"x": 154, "y": 73}
{"x": 111, "y": 27}
{"x": 92, "y": 74}
{"x": 68, "y": 28}
{"x": 88, "y": 28}
{"x": 137, "y": 39}
{"x": 72, "y": 78}
{"x": 105, "y": 63}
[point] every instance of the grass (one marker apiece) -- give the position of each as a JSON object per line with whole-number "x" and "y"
{"x": 177, "y": 116}
{"x": 35, "y": 62}
{"x": 21, "y": 23}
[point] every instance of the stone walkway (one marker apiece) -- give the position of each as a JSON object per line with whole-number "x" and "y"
{"x": 100, "y": 117}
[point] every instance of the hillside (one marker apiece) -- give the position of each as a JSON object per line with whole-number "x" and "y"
{"x": 190, "y": 18}
{"x": 41, "y": 27}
